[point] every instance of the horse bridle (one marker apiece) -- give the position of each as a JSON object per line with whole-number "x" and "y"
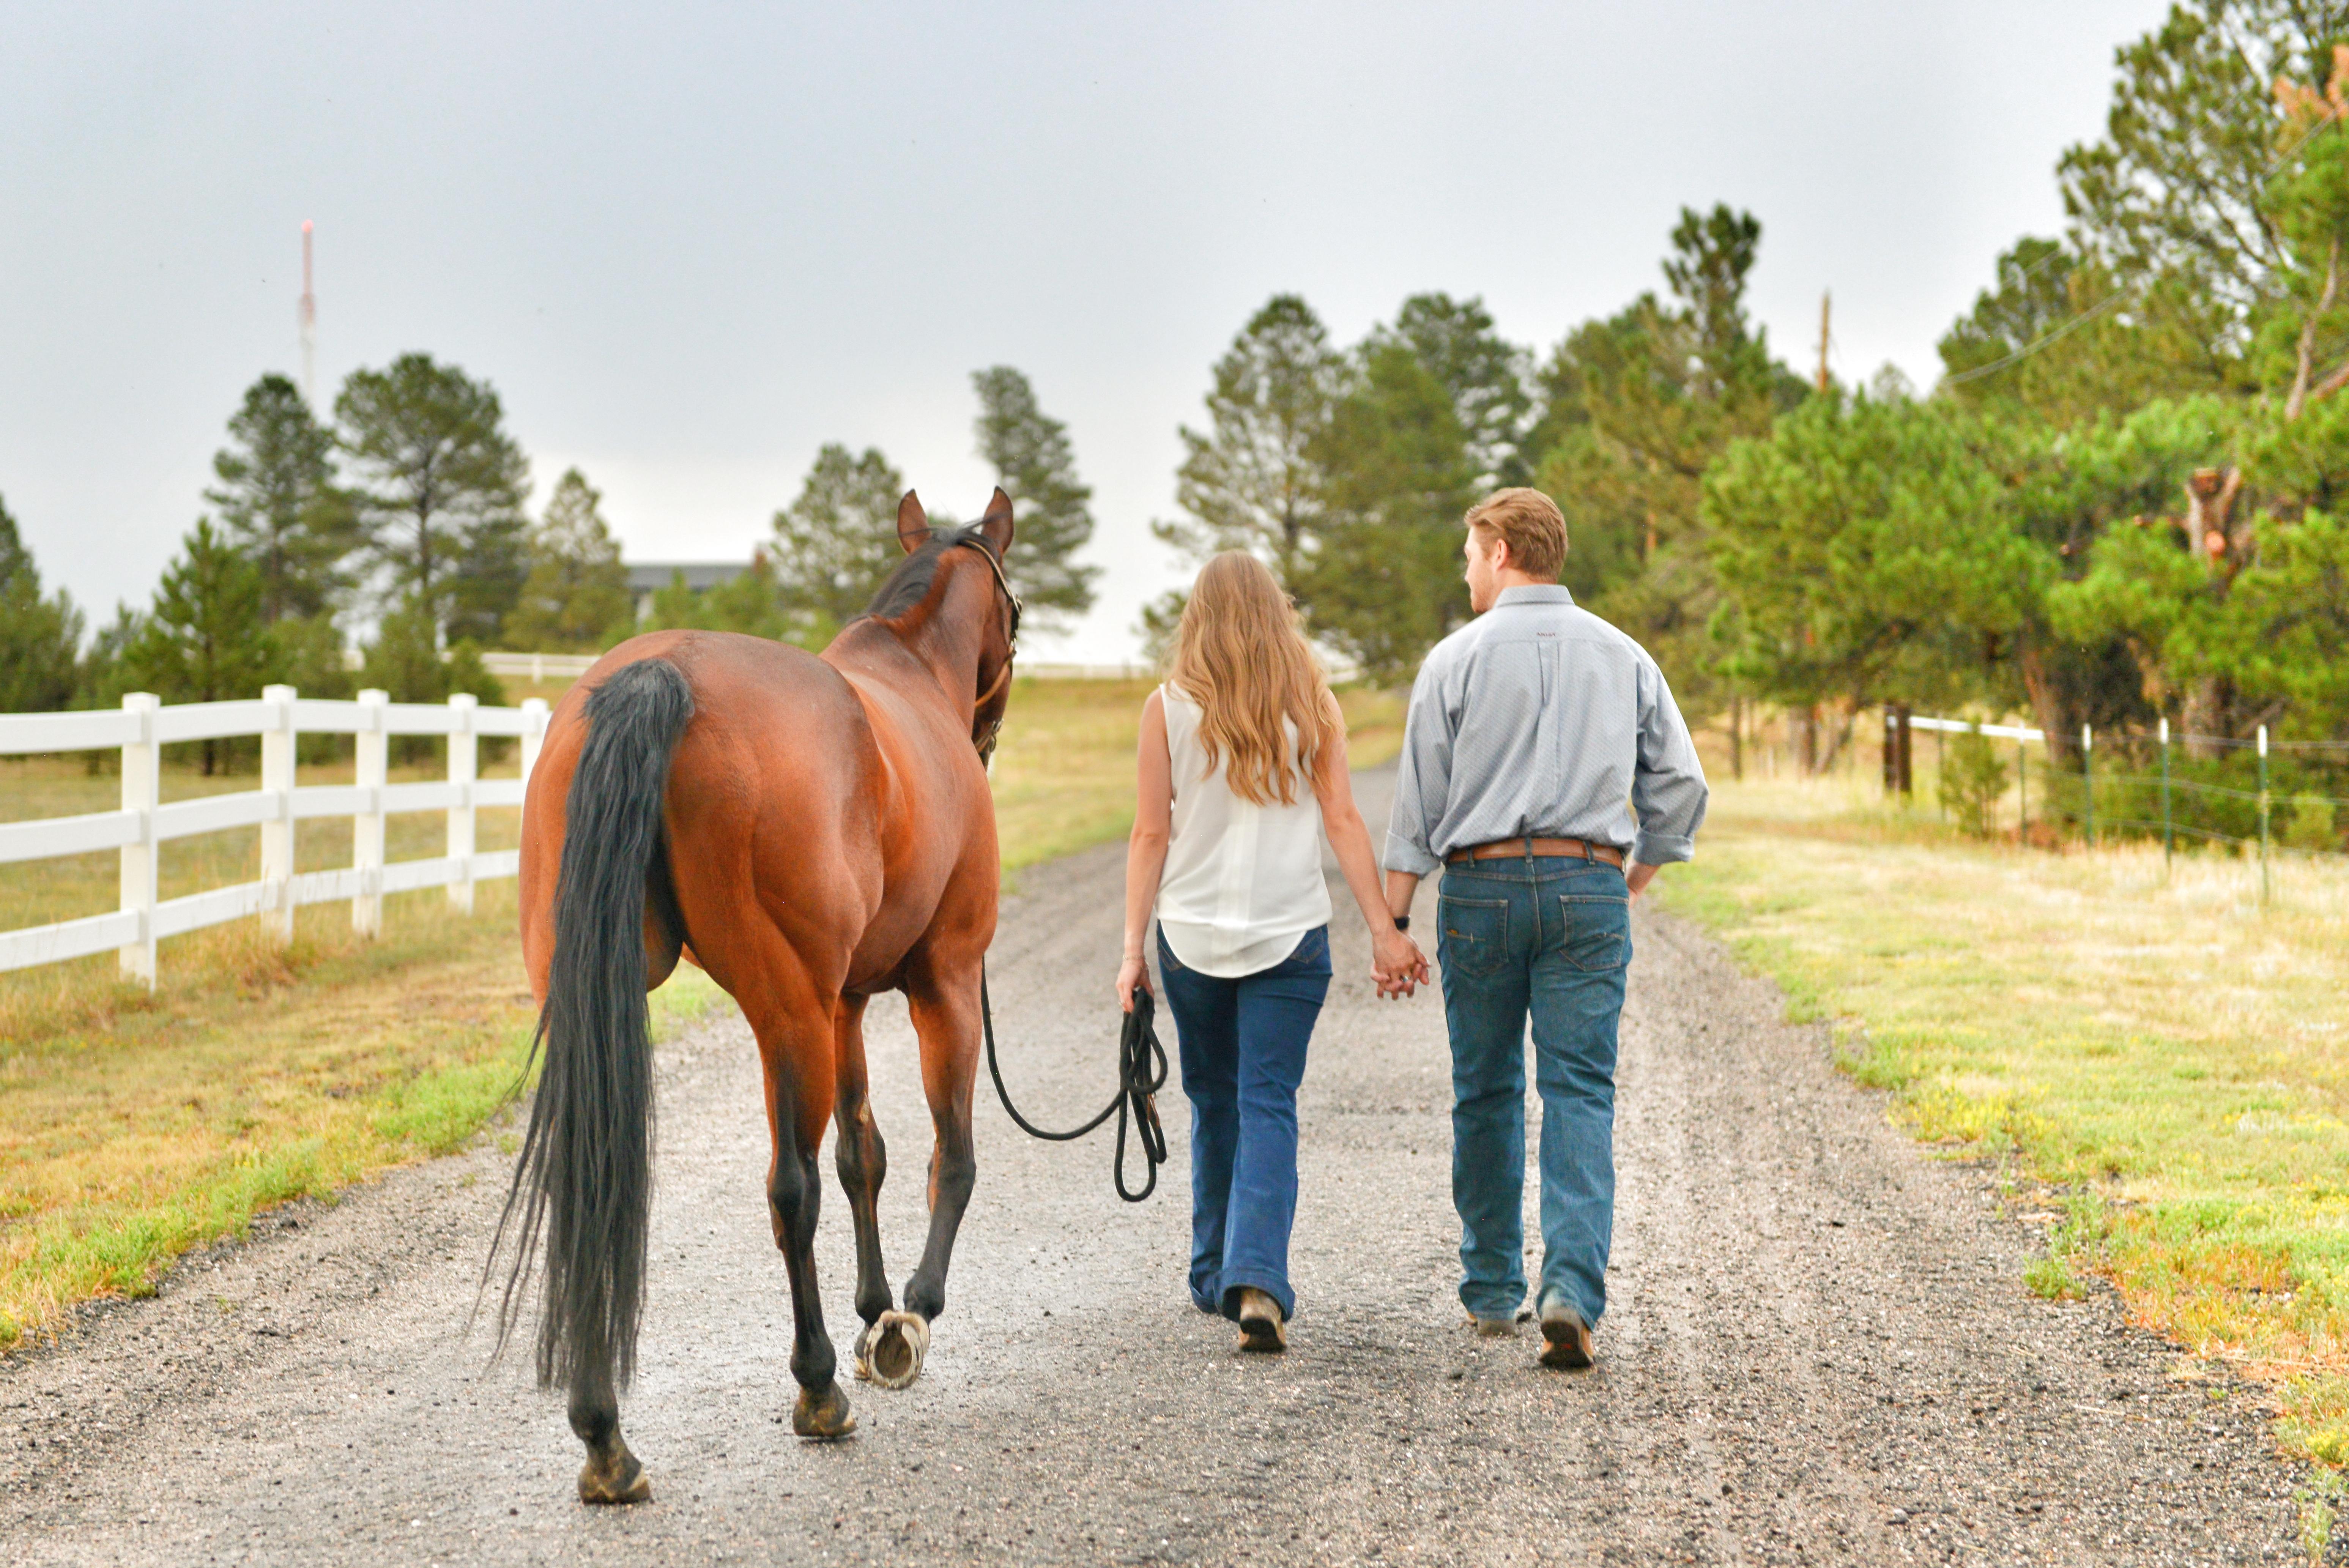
{"x": 986, "y": 740}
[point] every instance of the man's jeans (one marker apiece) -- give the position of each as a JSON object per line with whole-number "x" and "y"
{"x": 1242, "y": 1045}
{"x": 1550, "y": 936}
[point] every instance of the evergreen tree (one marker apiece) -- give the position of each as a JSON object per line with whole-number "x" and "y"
{"x": 441, "y": 490}
{"x": 1386, "y": 583}
{"x": 205, "y": 639}
{"x": 1033, "y": 462}
{"x": 278, "y": 502}
{"x": 1252, "y": 481}
{"x": 1486, "y": 377}
{"x": 576, "y": 597}
{"x": 407, "y": 661}
{"x": 832, "y": 545}
{"x": 40, "y": 638}
{"x": 1643, "y": 404}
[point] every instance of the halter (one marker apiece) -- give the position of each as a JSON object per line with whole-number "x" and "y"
{"x": 986, "y": 743}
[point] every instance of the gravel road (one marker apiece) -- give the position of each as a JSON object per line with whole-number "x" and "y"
{"x": 1818, "y": 1350}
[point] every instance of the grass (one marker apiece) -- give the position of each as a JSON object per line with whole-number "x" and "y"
{"x": 2163, "y": 1056}
{"x": 136, "y": 1126}
{"x": 1064, "y": 770}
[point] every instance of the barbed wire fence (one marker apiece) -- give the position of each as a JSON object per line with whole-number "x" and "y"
{"x": 2273, "y": 802}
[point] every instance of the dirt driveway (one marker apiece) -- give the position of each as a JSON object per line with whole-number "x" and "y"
{"x": 1818, "y": 1347}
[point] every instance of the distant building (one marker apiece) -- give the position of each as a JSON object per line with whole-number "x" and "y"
{"x": 646, "y": 578}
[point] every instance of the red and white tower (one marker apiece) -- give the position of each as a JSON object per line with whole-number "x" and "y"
{"x": 309, "y": 326}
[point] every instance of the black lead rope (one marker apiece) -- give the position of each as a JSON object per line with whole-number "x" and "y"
{"x": 1141, "y": 1074}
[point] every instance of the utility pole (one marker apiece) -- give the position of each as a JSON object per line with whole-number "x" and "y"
{"x": 1824, "y": 299}
{"x": 309, "y": 326}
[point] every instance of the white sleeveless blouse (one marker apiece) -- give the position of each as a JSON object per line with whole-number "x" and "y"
{"x": 1242, "y": 882}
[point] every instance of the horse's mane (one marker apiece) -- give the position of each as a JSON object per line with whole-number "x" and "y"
{"x": 911, "y": 583}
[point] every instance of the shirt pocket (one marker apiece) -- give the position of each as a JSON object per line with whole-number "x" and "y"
{"x": 1473, "y": 935}
{"x": 1598, "y": 930}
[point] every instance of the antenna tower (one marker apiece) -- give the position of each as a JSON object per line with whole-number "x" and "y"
{"x": 309, "y": 326}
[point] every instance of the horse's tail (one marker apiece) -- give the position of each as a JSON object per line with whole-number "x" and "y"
{"x": 584, "y": 1184}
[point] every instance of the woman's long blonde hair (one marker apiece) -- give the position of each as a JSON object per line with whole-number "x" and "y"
{"x": 1240, "y": 655}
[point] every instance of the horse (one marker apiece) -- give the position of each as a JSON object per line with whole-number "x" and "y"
{"x": 810, "y": 830}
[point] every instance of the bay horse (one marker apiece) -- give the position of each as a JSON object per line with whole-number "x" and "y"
{"x": 810, "y": 829}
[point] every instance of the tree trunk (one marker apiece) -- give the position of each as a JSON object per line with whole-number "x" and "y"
{"x": 2299, "y": 399}
{"x": 2203, "y": 717}
{"x": 2046, "y": 704}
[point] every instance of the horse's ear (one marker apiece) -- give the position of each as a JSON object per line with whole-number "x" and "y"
{"x": 912, "y": 523}
{"x": 997, "y": 524}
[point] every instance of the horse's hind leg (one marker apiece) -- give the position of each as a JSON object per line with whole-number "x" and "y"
{"x": 945, "y": 1018}
{"x": 796, "y": 1050}
{"x": 612, "y": 1473}
{"x": 864, "y": 1162}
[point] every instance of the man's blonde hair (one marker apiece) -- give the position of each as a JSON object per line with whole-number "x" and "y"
{"x": 1240, "y": 655}
{"x": 1531, "y": 523}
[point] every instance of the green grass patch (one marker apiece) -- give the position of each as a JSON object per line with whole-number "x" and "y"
{"x": 2150, "y": 1039}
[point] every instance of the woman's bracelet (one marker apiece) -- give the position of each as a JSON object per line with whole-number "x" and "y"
{"x": 1403, "y": 922}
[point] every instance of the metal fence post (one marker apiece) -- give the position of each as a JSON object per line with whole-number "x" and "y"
{"x": 462, "y": 750}
{"x": 2089, "y": 783}
{"x": 372, "y": 749}
{"x": 2264, "y": 816}
{"x": 277, "y": 831}
{"x": 2166, "y": 832}
{"x": 142, "y": 785}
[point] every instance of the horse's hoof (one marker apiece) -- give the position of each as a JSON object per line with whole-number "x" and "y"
{"x": 824, "y": 1415}
{"x": 863, "y": 1356}
{"x": 899, "y": 1341}
{"x": 618, "y": 1479}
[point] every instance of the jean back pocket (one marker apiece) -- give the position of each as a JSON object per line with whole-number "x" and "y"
{"x": 1472, "y": 934}
{"x": 1598, "y": 930}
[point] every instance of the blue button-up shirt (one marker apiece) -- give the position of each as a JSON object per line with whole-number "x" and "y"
{"x": 1539, "y": 720}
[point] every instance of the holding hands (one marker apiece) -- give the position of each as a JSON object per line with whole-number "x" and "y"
{"x": 1397, "y": 965}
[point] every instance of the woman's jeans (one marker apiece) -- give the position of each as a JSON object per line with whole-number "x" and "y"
{"x": 1549, "y": 937}
{"x": 1242, "y": 1044}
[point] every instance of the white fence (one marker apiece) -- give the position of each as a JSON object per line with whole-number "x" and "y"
{"x": 144, "y": 726}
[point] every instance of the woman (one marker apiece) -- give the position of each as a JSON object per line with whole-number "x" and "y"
{"x": 1243, "y": 772}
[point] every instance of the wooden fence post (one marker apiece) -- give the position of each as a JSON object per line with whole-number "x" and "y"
{"x": 277, "y": 832}
{"x": 141, "y": 783}
{"x": 372, "y": 746}
{"x": 463, "y": 751}
{"x": 534, "y": 735}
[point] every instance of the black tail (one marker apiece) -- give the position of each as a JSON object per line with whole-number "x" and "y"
{"x": 584, "y": 1185}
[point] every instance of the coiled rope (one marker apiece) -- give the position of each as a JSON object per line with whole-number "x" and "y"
{"x": 1141, "y": 1074}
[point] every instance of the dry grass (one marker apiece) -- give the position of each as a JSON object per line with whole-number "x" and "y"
{"x": 133, "y": 1127}
{"x": 1064, "y": 771}
{"x": 2152, "y": 1042}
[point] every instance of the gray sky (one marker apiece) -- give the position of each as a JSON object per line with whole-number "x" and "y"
{"x": 690, "y": 244}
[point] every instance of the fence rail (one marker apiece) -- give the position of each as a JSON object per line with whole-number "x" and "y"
{"x": 144, "y": 822}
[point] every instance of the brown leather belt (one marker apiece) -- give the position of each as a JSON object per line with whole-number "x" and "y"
{"x": 1518, "y": 849}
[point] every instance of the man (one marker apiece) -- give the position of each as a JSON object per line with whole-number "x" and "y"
{"x": 1547, "y": 770}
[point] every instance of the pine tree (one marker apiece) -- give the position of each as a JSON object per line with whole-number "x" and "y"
{"x": 1034, "y": 465}
{"x": 441, "y": 490}
{"x": 1252, "y": 481}
{"x": 576, "y": 598}
{"x": 40, "y": 638}
{"x": 278, "y": 502}
{"x": 833, "y": 546}
{"x": 206, "y": 641}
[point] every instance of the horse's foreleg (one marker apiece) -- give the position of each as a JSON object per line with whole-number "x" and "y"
{"x": 794, "y": 1189}
{"x": 945, "y": 1017}
{"x": 863, "y": 1162}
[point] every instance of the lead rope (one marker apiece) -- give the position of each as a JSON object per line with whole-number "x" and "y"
{"x": 1141, "y": 1074}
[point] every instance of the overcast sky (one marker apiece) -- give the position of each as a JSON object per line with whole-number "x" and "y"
{"x": 690, "y": 244}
